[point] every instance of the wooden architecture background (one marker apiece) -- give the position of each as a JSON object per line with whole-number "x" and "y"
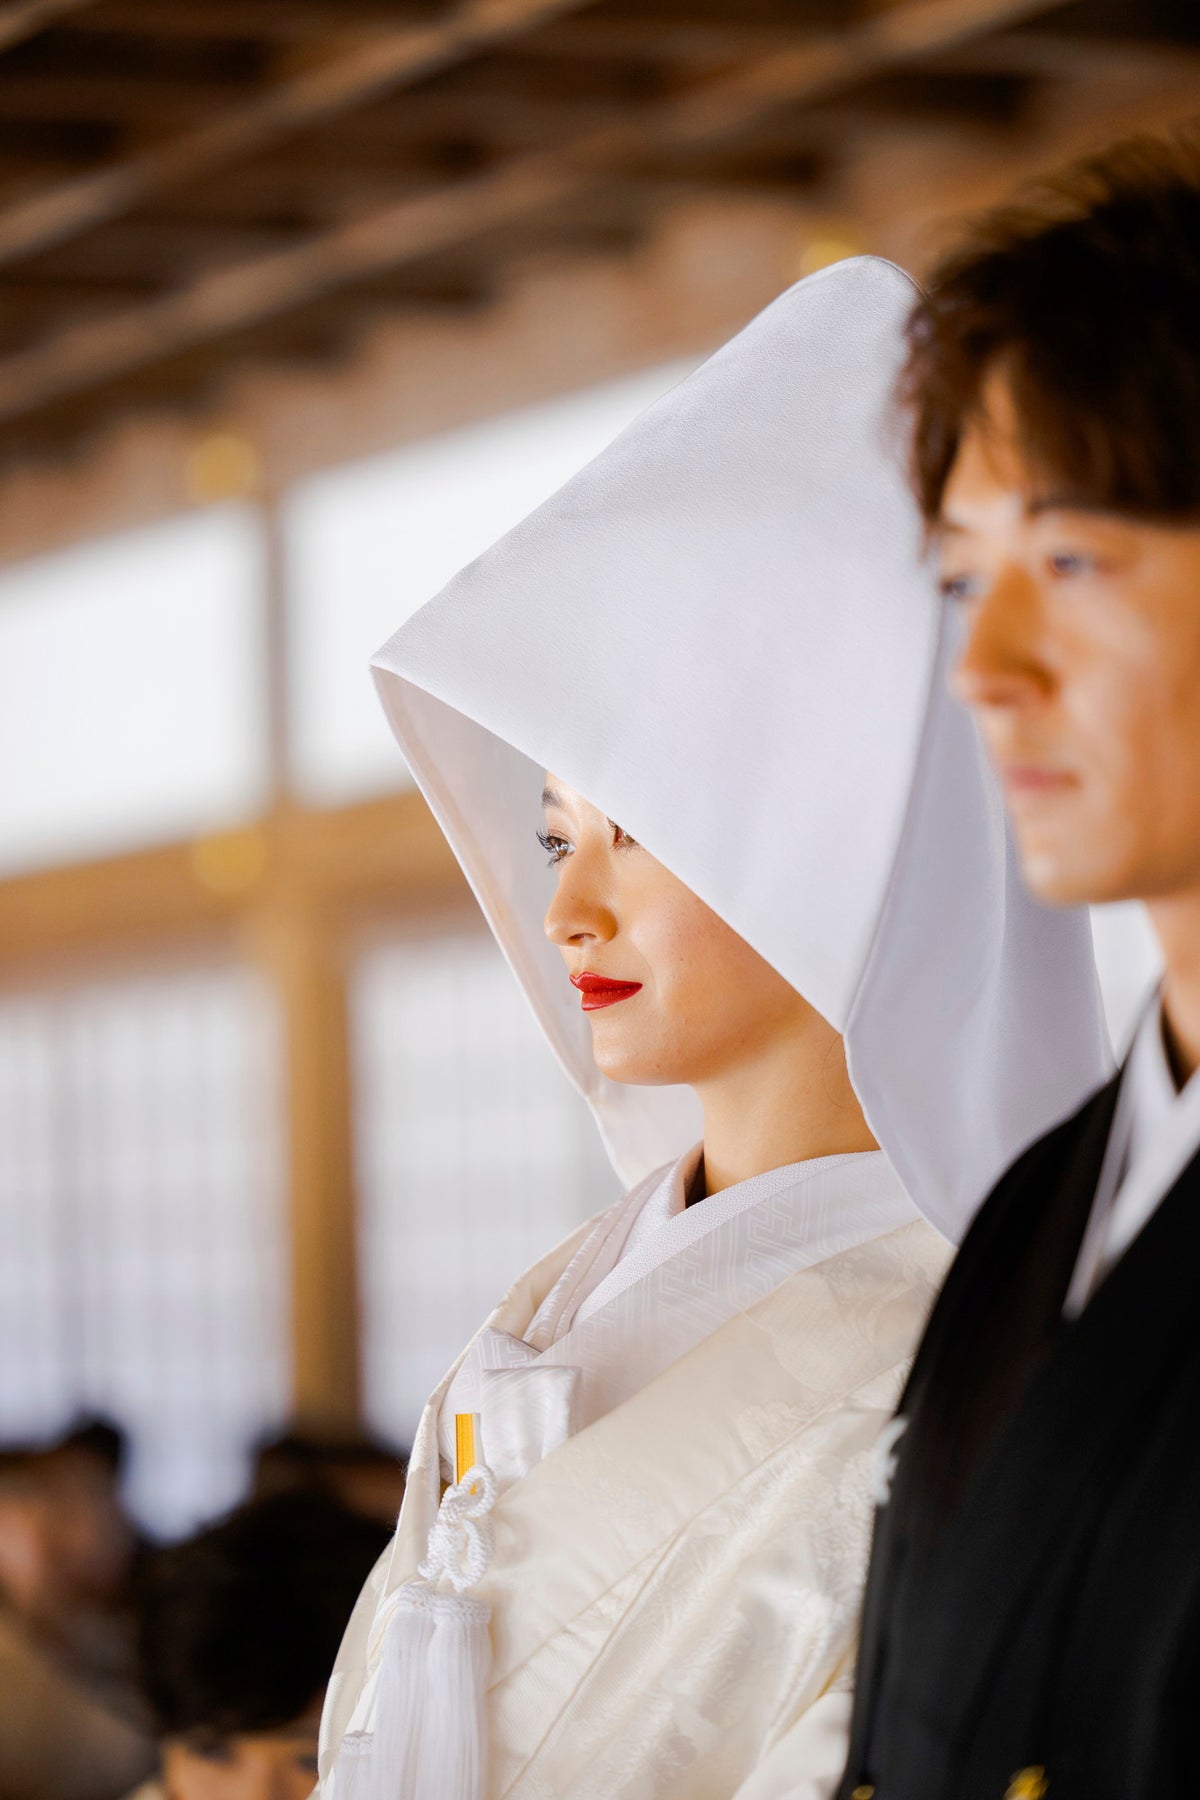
{"x": 244, "y": 239}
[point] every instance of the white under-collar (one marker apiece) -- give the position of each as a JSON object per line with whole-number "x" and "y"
{"x": 666, "y": 1200}
{"x": 1153, "y": 1096}
{"x": 1155, "y": 1133}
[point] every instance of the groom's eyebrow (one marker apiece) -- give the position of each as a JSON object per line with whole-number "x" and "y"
{"x": 550, "y": 797}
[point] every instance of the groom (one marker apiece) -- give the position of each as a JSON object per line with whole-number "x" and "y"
{"x": 1032, "y": 1621}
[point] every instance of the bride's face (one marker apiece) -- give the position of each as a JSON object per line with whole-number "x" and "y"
{"x": 671, "y": 992}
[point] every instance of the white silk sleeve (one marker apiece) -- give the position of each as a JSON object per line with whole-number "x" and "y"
{"x": 808, "y": 1760}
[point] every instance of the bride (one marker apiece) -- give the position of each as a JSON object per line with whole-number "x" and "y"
{"x": 781, "y": 951}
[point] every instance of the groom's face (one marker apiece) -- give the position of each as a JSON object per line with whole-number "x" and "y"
{"x": 1082, "y": 667}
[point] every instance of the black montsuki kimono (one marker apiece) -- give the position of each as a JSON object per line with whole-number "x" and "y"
{"x": 1032, "y": 1620}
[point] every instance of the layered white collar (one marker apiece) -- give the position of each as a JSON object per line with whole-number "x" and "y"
{"x": 629, "y": 1301}
{"x": 1155, "y": 1133}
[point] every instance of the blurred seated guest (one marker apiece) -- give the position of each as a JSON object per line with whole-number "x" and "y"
{"x": 58, "y": 1739}
{"x": 238, "y": 1629}
{"x": 364, "y": 1474}
{"x": 82, "y": 1473}
{"x": 88, "y": 1618}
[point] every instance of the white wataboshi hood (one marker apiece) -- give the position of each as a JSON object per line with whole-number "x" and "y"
{"x": 722, "y": 632}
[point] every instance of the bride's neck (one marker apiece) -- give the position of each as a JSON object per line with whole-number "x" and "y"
{"x": 788, "y": 1102}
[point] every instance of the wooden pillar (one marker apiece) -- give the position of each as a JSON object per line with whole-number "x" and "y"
{"x": 292, "y": 942}
{"x": 299, "y": 944}
{"x": 276, "y": 636}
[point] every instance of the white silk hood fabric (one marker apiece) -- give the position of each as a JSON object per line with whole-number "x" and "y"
{"x": 721, "y": 632}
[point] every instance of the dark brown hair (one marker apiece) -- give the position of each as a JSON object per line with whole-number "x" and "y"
{"x": 238, "y": 1627}
{"x": 1085, "y": 294}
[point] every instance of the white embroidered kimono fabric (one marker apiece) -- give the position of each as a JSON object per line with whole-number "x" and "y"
{"x": 678, "y": 1547}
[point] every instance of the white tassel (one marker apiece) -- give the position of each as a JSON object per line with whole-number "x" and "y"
{"x": 399, "y": 1697}
{"x": 430, "y": 1699}
{"x": 349, "y": 1779}
{"x": 432, "y": 1732}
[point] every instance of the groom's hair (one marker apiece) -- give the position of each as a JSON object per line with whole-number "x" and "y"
{"x": 1083, "y": 295}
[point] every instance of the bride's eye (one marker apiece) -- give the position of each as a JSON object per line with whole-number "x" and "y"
{"x": 622, "y": 839}
{"x": 556, "y": 848}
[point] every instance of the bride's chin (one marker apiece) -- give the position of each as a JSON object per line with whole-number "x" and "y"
{"x": 625, "y": 1069}
{"x": 635, "y": 1066}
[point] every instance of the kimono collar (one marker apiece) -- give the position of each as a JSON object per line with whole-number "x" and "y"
{"x": 722, "y": 633}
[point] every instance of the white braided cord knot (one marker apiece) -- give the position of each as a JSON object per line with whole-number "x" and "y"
{"x": 461, "y": 1539}
{"x": 418, "y": 1596}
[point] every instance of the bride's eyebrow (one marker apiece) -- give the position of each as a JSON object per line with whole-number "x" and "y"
{"x": 550, "y": 797}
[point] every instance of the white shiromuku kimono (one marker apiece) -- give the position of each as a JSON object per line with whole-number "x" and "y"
{"x": 721, "y": 633}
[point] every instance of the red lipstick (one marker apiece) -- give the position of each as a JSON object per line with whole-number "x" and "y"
{"x": 601, "y": 990}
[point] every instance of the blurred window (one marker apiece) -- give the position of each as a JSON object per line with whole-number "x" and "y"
{"x": 368, "y": 543}
{"x": 475, "y": 1157}
{"x": 131, "y": 689}
{"x": 142, "y": 1250}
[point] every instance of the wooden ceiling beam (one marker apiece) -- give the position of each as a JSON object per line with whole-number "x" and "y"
{"x": 60, "y": 143}
{"x": 376, "y": 854}
{"x": 25, "y": 18}
{"x": 346, "y": 77}
{"x": 234, "y": 298}
{"x": 295, "y": 23}
{"x": 1057, "y": 56}
{"x": 315, "y": 191}
{"x": 646, "y": 39}
{"x": 160, "y": 252}
{"x": 147, "y": 105}
{"x": 488, "y": 126}
{"x": 121, "y": 288}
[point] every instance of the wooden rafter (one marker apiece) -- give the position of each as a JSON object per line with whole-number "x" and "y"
{"x": 259, "y": 288}
{"x": 27, "y": 17}
{"x": 370, "y": 66}
{"x": 1062, "y": 56}
{"x": 296, "y": 22}
{"x": 25, "y": 95}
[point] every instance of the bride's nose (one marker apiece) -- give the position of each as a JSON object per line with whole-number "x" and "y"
{"x": 578, "y": 914}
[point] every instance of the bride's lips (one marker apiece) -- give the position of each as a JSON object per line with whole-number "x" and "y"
{"x": 601, "y": 990}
